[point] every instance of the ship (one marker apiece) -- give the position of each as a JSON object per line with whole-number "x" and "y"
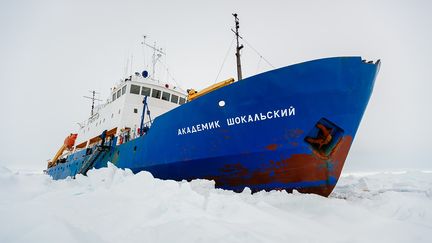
{"x": 290, "y": 128}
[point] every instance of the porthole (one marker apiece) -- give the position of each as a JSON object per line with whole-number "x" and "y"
{"x": 222, "y": 103}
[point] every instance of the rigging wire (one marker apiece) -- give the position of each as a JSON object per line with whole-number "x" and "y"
{"x": 169, "y": 74}
{"x": 223, "y": 63}
{"x": 258, "y": 65}
{"x": 159, "y": 60}
{"x": 261, "y": 56}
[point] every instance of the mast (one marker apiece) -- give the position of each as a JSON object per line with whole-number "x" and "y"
{"x": 239, "y": 47}
{"x": 93, "y": 98}
{"x": 157, "y": 54}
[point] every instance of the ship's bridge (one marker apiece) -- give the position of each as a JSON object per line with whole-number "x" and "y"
{"x": 122, "y": 110}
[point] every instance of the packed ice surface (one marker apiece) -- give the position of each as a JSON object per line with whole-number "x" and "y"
{"x": 113, "y": 205}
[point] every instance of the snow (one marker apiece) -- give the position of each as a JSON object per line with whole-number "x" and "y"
{"x": 114, "y": 205}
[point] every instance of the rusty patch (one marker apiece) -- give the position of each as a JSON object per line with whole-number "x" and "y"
{"x": 296, "y": 169}
{"x": 235, "y": 169}
{"x": 272, "y": 147}
{"x": 294, "y": 144}
{"x": 294, "y": 133}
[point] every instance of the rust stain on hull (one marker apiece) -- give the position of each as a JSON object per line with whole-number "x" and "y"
{"x": 296, "y": 169}
{"x": 271, "y": 147}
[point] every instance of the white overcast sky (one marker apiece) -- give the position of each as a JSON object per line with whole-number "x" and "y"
{"x": 53, "y": 52}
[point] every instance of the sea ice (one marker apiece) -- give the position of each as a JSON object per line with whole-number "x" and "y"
{"x": 114, "y": 205}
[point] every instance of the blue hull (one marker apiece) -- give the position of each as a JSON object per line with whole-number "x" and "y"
{"x": 290, "y": 128}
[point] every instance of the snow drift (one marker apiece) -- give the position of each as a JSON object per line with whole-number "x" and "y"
{"x": 114, "y": 205}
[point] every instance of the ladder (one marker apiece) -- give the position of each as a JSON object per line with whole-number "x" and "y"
{"x": 89, "y": 162}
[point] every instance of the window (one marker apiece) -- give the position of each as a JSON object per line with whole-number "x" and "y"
{"x": 156, "y": 93}
{"x": 114, "y": 97}
{"x": 145, "y": 91}
{"x": 118, "y": 93}
{"x": 135, "y": 89}
{"x": 166, "y": 96}
{"x": 174, "y": 99}
{"x": 182, "y": 101}
{"x": 124, "y": 90}
{"x": 135, "y": 110}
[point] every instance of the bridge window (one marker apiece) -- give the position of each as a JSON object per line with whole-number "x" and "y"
{"x": 135, "y": 89}
{"x": 114, "y": 97}
{"x": 135, "y": 110}
{"x": 156, "y": 93}
{"x": 182, "y": 101}
{"x": 166, "y": 96}
{"x": 174, "y": 99}
{"x": 118, "y": 93}
{"x": 145, "y": 91}
{"x": 124, "y": 90}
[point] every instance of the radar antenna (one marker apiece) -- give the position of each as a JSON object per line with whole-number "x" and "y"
{"x": 239, "y": 46}
{"x": 93, "y": 98}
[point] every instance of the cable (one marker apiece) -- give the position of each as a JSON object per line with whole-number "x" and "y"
{"x": 259, "y": 62}
{"x": 223, "y": 63}
{"x": 169, "y": 74}
{"x": 247, "y": 43}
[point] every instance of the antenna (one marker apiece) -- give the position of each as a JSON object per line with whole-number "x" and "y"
{"x": 143, "y": 49}
{"x": 239, "y": 47}
{"x": 157, "y": 53}
{"x": 126, "y": 66}
{"x": 93, "y": 100}
{"x": 131, "y": 67}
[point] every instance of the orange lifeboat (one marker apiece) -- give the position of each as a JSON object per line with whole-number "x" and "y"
{"x": 68, "y": 144}
{"x": 69, "y": 141}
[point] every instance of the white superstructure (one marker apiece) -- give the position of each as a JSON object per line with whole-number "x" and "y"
{"x": 124, "y": 108}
